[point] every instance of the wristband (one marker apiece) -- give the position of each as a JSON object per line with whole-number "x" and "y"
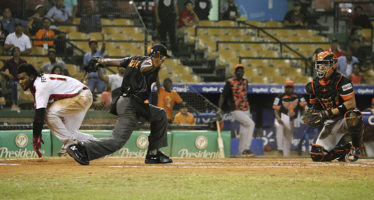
{"x": 342, "y": 109}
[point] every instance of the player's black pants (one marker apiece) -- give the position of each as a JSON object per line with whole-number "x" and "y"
{"x": 126, "y": 123}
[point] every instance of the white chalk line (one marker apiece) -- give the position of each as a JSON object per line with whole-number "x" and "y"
{"x": 9, "y": 164}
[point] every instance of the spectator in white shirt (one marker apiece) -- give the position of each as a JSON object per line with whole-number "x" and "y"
{"x": 59, "y": 13}
{"x": 18, "y": 39}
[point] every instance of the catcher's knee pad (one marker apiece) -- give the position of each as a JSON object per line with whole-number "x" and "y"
{"x": 319, "y": 154}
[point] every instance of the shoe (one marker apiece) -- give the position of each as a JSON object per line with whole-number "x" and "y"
{"x": 78, "y": 152}
{"x": 247, "y": 154}
{"x": 159, "y": 158}
{"x": 353, "y": 155}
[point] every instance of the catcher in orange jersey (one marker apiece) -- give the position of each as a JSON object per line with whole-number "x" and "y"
{"x": 334, "y": 112}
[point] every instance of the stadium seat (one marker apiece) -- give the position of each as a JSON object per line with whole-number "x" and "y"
{"x": 76, "y": 20}
{"x": 106, "y": 22}
{"x": 67, "y": 29}
{"x": 226, "y": 23}
{"x": 77, "y": 36}
{"x": 38, "y": 51}
{"x": 96, "y": 36}
{"x": 118, "y": 36}
{"x": 207, "y": 23}
{"x": 110, "y": 30}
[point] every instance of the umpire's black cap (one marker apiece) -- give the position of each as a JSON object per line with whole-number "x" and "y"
{"x": 161, "y": 48}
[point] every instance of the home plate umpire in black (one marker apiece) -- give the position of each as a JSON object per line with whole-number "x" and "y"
{"x": 131, "y": 106}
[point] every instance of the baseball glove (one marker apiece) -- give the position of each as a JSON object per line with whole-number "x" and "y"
{"x": 92, "y": 65}
{"x": 314, "y": 118}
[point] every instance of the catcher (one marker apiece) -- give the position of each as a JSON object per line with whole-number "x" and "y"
{"x": 333, "y": 110}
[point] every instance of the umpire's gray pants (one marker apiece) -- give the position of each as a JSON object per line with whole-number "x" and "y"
{"x": 126, "y": 123}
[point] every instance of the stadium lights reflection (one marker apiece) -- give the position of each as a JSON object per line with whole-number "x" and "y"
{"x": 131, "y": 2}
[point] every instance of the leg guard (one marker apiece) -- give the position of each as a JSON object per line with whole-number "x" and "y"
{"x": 355, "y": 126}
{"x": 319, "y": 154}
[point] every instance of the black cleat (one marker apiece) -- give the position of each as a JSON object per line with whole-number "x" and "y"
{"x": 159, "y": 158}
{"x": 78, "y": 152}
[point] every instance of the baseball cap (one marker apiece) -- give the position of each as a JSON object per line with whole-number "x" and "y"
{"x": 92, "y": 40}
{"x": 161, "y": 48}
{"x": 297, "y": 3}
{"x": 51, "y": 50}
{"x": 238, "y": 66}
{"x": 289, "y": 83}
{"x": 38, "y": 6}
{"x": 17, "y": 24}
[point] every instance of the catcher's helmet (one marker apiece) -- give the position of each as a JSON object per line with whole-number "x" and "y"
{"x": 325, "y": 64}
{"x": 289, "y": 83}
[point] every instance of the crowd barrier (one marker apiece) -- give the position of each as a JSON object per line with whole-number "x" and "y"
{"x": 182, "y": 143}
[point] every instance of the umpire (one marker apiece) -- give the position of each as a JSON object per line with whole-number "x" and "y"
{"x": 130, "y": 107}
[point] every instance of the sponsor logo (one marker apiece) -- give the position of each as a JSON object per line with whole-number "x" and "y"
{"x": 371, "y": 120}
{"x": 142, "y": 142}
{"x": 210, "y": 89}
{"x": 126, "y": 153}
{"x": 260, "y": 90}
{"x": 181, "y": 88}
{"x": 21, "y": 140}
{"x": 201, "y": 142}
{"x": 347, "y": 86}
{"x": 184, "y": 153}
{"x": 20, "y": 153}
{"x": 276, "y": 90}
{"x": 365, "y": 91}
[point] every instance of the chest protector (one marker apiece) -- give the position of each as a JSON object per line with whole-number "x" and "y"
{"x": 328, "y": 95}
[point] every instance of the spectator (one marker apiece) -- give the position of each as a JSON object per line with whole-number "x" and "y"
{"x": 356, "y": 76}
{"x": 59, "y": 13}
{"x": 335, "y": 48}
{"x": 167, "y": 15}
{"x": 202, "y": 9}
{"x": 37, "y": 19}
{"x": 93, "y": 78}
{"x": 358, "y": 51}
{"x": 294, "y": 17}
{"x": 234, "y": 99}
{"x": 3, "y": 35}
{"x": 8, "y": 22}
{"x": 12, "y": 66}
{"x": 358, "y": 19}
{"x": 167, "y": 98}
{"x": 230, "y": 11}
{"x": 47, "y": 68}
{"x": 184, "y": 117}
{"x": 346, "y": 62}
{"x": 45, "y": 35}
{"x": 188, "y": 17}
{"x": 72, "y": 6}
{"x": 57, "y": 70}
{"x": 90, "y": 22}
{"x": 113, "y": 81}
{"x": 18, "y": 39}
{"x": 369, "y": 133}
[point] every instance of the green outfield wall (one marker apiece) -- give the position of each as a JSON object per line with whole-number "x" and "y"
{"x": 188, "y": 144}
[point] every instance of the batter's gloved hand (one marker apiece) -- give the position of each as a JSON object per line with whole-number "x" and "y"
{"x": 92, "y": 65}
{"x": 37, "y": 142}
{"x": 314, "y": 118}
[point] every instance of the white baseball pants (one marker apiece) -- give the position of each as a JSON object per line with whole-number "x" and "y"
{"x": 331, "y": 133}
{"x": 284, "y": 137}
{"x": 65, "y": 116}
{"x": 247, "y": 127}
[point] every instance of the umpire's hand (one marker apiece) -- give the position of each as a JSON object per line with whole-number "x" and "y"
{"x": 157, "y": 60}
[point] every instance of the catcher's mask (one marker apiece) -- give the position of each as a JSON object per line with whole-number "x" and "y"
{"x": 325, "y": 64}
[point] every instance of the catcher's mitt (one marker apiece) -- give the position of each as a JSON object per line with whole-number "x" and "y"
{"x": 92, "y": 65}
{"x": 314, "y": 118}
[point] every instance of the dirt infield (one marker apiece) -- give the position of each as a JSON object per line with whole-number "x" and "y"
{"x": 260, "y": 166}
{"x": 232, "y": 178}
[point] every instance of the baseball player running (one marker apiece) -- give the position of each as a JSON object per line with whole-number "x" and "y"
{"x": 60, "y": 101}
{"x": 286, "y": 107}
{"x": 131, "y": 106}
{"x": 333, "y": 103}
